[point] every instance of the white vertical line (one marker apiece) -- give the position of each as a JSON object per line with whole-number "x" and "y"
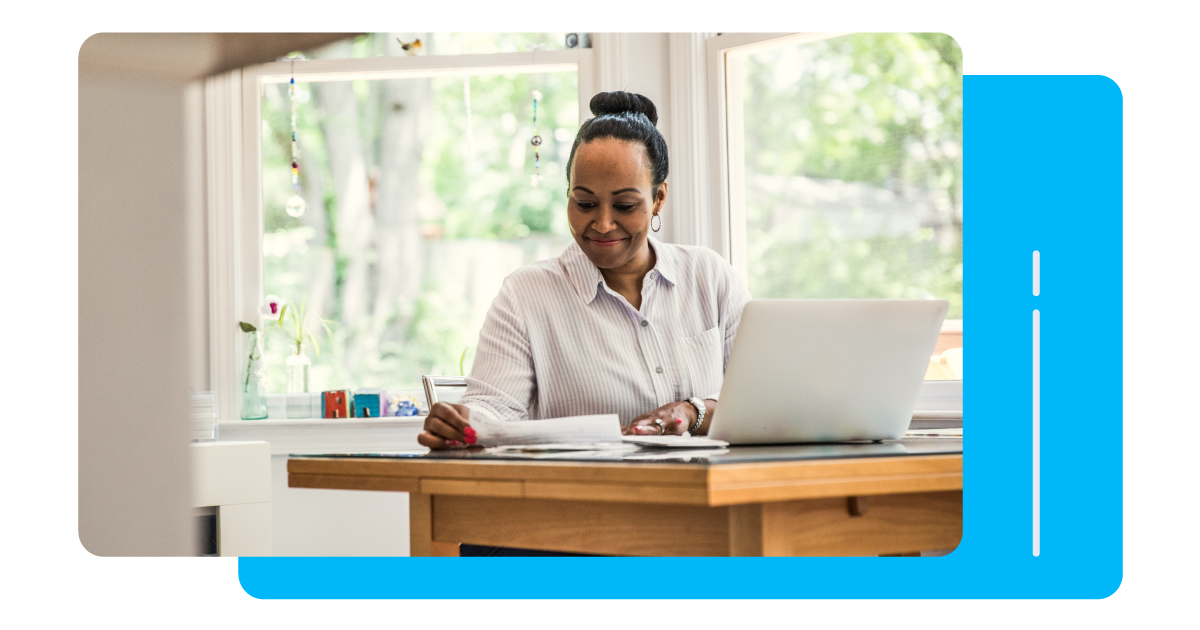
{"x": 1037, "y": 273}
{"x": 1037, "y": 429}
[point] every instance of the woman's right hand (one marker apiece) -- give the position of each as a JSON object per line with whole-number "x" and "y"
{"x": 446, "y": 427}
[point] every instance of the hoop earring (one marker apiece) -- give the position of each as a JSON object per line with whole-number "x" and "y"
{"x": 652, "y": 222}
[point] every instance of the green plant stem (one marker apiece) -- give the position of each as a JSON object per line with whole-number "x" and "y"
{"x": 250, "y": 359}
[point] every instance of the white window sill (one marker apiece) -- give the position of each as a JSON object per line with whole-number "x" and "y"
{"x": 938, "y": 400}
{"x": 327, "y": 435}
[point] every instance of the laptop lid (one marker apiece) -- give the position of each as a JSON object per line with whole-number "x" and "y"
{"x": 826, "y": 370}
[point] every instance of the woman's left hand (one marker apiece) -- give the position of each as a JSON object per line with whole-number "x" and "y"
{"x": 675, "y": 417}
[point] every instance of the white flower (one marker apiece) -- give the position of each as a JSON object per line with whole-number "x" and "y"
{"x": 271, "y": 307}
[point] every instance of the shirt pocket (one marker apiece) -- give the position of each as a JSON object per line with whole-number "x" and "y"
{"x": 701, "y": 359}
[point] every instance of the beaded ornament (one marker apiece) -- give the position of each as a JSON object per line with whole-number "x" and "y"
{"x": 536, "y": 142}
{"x": 295, "y": 204}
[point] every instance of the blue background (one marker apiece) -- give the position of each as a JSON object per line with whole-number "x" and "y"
{"x": 1098, "y": 173}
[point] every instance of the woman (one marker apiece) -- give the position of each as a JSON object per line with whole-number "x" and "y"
{"x": 620, "y": 322}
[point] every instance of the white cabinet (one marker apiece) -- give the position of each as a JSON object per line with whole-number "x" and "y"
{"x": 234, "y": 479}
{"x": 311, "y": 522}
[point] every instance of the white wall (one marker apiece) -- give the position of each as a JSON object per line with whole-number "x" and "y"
{"x": 640, "y": 63}
{"x": 139, "y": 131}
{"x": 307, "y": 522}
{"x": 133, "y": 355}
{"x": 646, "y": 70}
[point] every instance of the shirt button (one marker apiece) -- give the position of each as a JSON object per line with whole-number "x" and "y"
{"x": 658, "y": 369}
{"x": 653, "y": 275}
{"x": 645, "y": 323}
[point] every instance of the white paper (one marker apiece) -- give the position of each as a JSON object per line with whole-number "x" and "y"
{"x": 674, "y": 441}
{"x": 672, "y": 455}
{"x": 541, "y": 448}
{"x": 946, "y": 433}
{"x": 598, "y": 429}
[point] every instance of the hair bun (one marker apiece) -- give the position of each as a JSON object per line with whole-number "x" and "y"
{"x": 620, "y": 102}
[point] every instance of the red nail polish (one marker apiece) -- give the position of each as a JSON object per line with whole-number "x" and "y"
{"x": 469, "y": 432}
{"x": 470, "y": 439}
{"x": 452, "y": 443}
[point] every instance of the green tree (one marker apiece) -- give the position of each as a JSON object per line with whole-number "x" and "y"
{"x": 877, "y": 109}
{"x": 374, "y": 156}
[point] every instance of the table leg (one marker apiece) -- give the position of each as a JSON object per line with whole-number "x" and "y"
{"x": 420, "y": 524}
{"x": 445, "y": 550}
{"x": 746, "y": 530}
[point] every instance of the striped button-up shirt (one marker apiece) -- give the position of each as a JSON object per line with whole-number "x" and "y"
{"x": 559, "y": 342}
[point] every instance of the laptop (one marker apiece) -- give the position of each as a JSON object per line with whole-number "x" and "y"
{"x": 826, "y": 370}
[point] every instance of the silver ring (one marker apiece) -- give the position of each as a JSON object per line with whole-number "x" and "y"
{"x": 662, "y": 428}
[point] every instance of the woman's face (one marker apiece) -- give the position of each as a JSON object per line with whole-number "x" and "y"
{"x": 610, "y": 202}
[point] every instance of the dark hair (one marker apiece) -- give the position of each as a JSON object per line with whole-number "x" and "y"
{"x": 625, "y": 116}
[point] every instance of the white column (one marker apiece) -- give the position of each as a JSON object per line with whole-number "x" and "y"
{"x": 610, "y": 59}
{"x": 688, "y": 207}
{"x": 133, "y": 348}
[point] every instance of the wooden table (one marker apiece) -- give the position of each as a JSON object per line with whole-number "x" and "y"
{"x": 847, "y": 506}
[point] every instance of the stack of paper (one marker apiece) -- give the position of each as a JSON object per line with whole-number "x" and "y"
{"x": 575, "y": 431}
{"x": 674, "y": 441}
{"x": 545, "y": 448}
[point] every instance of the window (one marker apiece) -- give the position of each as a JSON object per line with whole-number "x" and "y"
{"x": 417, "y": 173}
{"x": 391, "y": 44}
{"x": 845, "y": 171}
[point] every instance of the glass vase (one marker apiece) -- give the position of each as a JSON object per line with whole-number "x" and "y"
{"x": 254, "y": 380}
{"x": 298, "y": 365}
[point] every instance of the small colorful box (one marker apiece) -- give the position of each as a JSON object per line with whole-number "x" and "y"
{"x": 337, "y": 404}
{"x": 370, "y": 402}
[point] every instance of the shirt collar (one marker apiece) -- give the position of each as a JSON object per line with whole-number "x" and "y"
{"x": 585, "y": 277}
{"x": 665, "y": 262}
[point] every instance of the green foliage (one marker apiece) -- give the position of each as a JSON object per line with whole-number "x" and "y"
{"x": 462, "y": 360}
{"x": 906, "y": 267}
{"x": 878, "y": 108}
{"x": 850, "y": 107}
{"x": 486, "y": 192}
{"x": 485, "y": 182}
{"x": 299, "y": 326}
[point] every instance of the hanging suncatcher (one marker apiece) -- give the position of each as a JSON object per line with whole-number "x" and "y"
{"x": 536, "y": 142}
{"x": 295, "y": 204}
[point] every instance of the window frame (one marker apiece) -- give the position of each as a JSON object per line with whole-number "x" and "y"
{"x": 727, "y": 168}
{"x": 233, "y": 127}
{"x": 726, "y": 174}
